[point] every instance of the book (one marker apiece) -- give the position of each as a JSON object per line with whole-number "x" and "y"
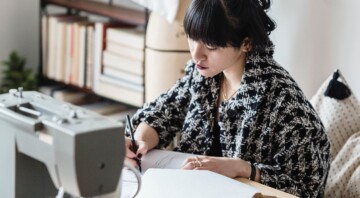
{"x": 121, "y": 83}
{"x": 60, "y": 45}
{"x": 44, "y": 43}
{"x": 128, "y": 96}
{"x": 82, "y": 61}
{"x": 56, "y": 42}
{"x": 89, "y": 80}
{"x": 123, "y": 63}
{"x": 131, "y": 37}
{"x": 123, "y": 75}
{"x": 125, "y": 51}
{"x": 100, "y": 45}
{"x": 52, "y": 43}
{"x": 77, "y": 63}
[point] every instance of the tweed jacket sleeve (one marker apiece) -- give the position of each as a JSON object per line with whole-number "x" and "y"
{"x": 166, "y": 114}
{"x": 299, "y": 159}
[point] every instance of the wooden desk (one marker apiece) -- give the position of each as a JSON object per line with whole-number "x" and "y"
{"x": 266, "y": 191}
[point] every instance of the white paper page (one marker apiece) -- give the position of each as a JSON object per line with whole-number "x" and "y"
{"x": 128, "y": 183}
{"x": 166, "y": 176}
{"x": 153, "y": 159}
{"x": 175, "y": 183}
{"x": 164, "y": 159}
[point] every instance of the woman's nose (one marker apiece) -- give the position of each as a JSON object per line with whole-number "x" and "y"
{"x": 198, "y": 52}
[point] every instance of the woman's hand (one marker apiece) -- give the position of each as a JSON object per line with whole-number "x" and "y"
{"x": 230, "y": 167}
{"x": 143, "y": 148}
{"x": 146, "y": 139}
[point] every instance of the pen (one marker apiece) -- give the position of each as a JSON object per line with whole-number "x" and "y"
{"x": 134, "y": 146}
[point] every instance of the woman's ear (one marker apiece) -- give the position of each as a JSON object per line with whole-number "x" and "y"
{"x": 246, "y": 45}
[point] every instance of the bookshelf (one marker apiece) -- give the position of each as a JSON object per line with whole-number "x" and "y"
{"x": 128, "y": 57}
{"x": 107, "y": 10}
{"x": 118, "y": 13}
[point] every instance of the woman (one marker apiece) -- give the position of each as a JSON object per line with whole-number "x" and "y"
{"x": 237, "y": 106}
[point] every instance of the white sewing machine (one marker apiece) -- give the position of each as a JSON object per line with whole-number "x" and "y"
{"x": 46, "y": 144}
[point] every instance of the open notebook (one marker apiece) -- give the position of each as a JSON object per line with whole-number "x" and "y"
{"x": 163, "y": 177}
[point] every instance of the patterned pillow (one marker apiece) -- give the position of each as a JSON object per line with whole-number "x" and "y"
{"x": 338, "y": 109}
{"x": 344, "y": 174}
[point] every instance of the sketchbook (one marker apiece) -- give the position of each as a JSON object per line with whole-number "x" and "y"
{"x": 162, "y": 176}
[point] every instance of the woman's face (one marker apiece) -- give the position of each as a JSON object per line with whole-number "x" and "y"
{"x": 210, "y": 61}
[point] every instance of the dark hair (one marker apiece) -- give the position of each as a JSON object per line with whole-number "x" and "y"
{"x": 228, "y": 22}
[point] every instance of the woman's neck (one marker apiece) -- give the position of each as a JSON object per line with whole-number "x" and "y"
{"x": 233, "y": 75}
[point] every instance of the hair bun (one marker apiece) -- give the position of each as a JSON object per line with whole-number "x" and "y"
{"x": 264, "y": 4}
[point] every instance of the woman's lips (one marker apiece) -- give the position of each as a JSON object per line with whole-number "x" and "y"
{"x": 200, "y": 67}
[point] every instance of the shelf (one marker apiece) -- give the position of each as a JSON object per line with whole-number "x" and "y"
{"x": 50, "y": 81}
{"x": 130, "y": 16}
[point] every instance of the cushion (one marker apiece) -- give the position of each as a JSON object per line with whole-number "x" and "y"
{"x": 344, "y": 173}
{"x": 338, "y": 109}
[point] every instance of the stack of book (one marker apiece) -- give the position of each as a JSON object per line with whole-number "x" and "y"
{"x": 66, "y": 46}
{"x": 122, "y": 76}
{"x": 105, "y": 56}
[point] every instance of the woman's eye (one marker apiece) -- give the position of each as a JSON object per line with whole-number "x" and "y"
{"x": 211, "y": 47}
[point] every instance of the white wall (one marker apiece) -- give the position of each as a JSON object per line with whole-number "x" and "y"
{"x": 19, "y": 30}
{"x": 314, "y": 37}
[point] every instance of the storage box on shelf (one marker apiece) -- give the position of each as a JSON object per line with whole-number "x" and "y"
{"x": 166, "y": 52}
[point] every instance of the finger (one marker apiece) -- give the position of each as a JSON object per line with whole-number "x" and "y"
{"x": 127, "y": 142}
{"x": 198, "y": 163}
{"x": 142, "y": 149}
{"x": 188, "y": 160}
{"x": 129, "y": 148}
{"x": 131, "y": 161}
{"x": 188, "y": 166}
{"x": 129, "y": 153}
{"x": 200, "y": 168}
{"x": 202, "y": 158}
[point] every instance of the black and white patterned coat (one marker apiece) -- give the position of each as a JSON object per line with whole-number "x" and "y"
{"x": 268, "y": 122}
